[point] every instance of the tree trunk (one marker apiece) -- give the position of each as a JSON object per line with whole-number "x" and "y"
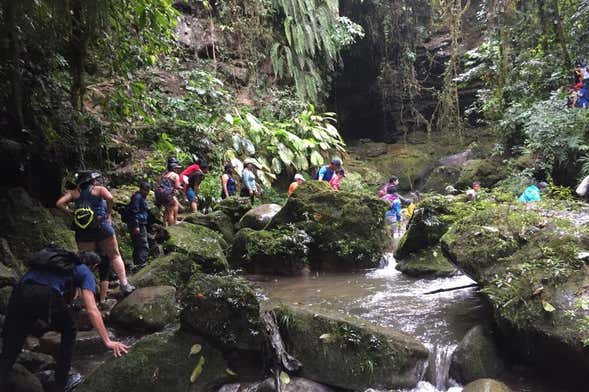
{"x": 544, "y": 22}
{"x": 10, "y": 9}
{"x": 77, "y": 54}
{"x": 559, "y": 31}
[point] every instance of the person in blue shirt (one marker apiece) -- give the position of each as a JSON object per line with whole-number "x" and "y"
{"x": 327, "y": 171}
{"x": 137, "y": 224}
{"x": 532, "y": 193}
{"x": 249, "y": 186}
{"x": 46, "y": 295}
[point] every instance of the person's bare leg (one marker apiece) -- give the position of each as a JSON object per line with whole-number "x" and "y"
{"x": 175, "y": 210}
{"x": 111, "y": 247}
{"x": 194, "y": 206}
{"x": 103, "y": 290}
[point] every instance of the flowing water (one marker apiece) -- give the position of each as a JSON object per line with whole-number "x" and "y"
{"x": 391, "y": 299}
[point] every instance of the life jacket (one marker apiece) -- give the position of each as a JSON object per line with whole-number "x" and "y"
{"x": 165, "y": 191}
{"x": 86, "y": 214}
{"x": 58, "y": 261}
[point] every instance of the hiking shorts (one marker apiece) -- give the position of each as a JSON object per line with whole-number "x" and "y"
{"x": 190, "y": 194}
{"x": 104, "y": 231}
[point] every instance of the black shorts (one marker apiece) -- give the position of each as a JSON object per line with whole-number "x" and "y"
{"x": 104, "y": 231}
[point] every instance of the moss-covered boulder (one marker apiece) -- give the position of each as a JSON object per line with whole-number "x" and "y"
{"x": 441, "y": 177}
{"x": 200, "y": 243}
{"x": 431, "y": 219}
{"x": 173, "y": 269}
{"x": 295, "y": 384}
{"x": 487, "y": 171}
{"x": 234, "y": 207}
{"x": 348, "y": 229}
{"x": 476, "y": 357}
{"x": 28, "y": 226}
{"x": 258, "y": 217}
{"x": 146, "y": 309}
{"x": 486, "y": 385}
{"x": 430, "y": 262}
{"x": 350, "y": 353}
{"x": 531, "y": 266}
{"x": 165, "y": 361}
{"x": 216, "y": 220}
{"x": 283, "y": 251}
{"x": 225, "y": 310}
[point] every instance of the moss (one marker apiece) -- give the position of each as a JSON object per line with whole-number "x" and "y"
{"x": 426, "y": 263}
{"x": 258, "y": 217}
{"x": 174, "y": 269}
{"x": 487, "y": 171}
{"x": 224, "y": 309}
{"x": 350, "y": 353}
{"x": 201, "y": 244}
{"x": 348, "y": 229}
{"x": 159, "y": 363}
{"x": 282, "y": 251}
{"x": 234, "y": 207}
{"x": 147, "y": 309}
{"x": 441, "y": 177}
{"x": 216, "y": 220}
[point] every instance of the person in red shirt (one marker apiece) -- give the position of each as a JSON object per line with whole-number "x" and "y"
{"x": 185, "y": 174}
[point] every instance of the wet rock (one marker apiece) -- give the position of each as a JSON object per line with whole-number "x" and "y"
{"x": 258, "y": 217}
{"x": 234, "y": 207}
{"x": 225, "y": 310}
{"x": 348, "y": 229}
{"x": 21, "y": 380}
{"x": 84, "y": 323}
{"x": 200, "y": 244}
{"x": 486, "y": 385}
{"x": 296, "y": 384}
{"x": 282, "y": 251}
{"x": 431, "y": 219}
{"x": 161, "y": 362}
{"x": 87, "y": 343}
{"x": 427, "y": 263}
{"x": 36, "y": 362}
{"x": 7, "y": 276}
{"x": 216, "y": 220}
{"x": 147, "y": 309}
{"x": 350, "y": 353}
{"x": 174, "y": 269}
{"x": 476, "y": 357}
{"x": 28, "y": 226}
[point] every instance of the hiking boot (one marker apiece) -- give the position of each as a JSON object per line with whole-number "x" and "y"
{"x": 127, "y": 288}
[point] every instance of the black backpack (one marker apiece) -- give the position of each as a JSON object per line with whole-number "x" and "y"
{"x": 57, "y": 261}
{"x": 126, "y": 213}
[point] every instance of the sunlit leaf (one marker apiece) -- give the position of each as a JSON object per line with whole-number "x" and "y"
{"x": 284, "y": 378}
{"x": 195, "y": 349}
{"x": 197, "y": 370}
{"x": 316, "y": 159}
{"x": 230, "y": 372}
{"x": 548, "y": 306}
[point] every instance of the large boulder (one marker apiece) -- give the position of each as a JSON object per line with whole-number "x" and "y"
{"x": 28, "y": 226}
{"x": 216, "y": 220}
{"x": 162, "y": 362}
{"x": 173, "y": 269}
{"x": 282, "y": 251}
{"x": 225, "y": 310}
{"x": 486, "y": 385}
{"x": 441, "y": 177}
{"x": 476, "y": 357}
{"x": 200, "y": 243}
{"x": 486, "y": 171}
{"x": 431, "y": 219}
{"x": 147, "y": 309}
{"x": 430, "y": 262}
{"x": 234, "y": 207}
{"x": 258, "y": 217}
{"x": 350, "y": 353}
{"x": 294, "y": 384}
{"x": 348, "y": 229}
{"x": 531, "y": 266}
{"x": 21, "y": 380}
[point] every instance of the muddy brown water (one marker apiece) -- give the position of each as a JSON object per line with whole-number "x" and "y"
{"x": 391, "y": 299}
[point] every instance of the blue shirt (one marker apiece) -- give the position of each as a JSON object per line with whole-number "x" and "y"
{"x": 249, "y": 179}
{"x": 532, "y": 193}
{"x": 139, "y": 210}
{"x": 325, "y": 173}
{"x": 83, "y": 279}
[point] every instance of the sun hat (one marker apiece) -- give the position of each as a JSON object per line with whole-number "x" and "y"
{"x": 299, "y": 177}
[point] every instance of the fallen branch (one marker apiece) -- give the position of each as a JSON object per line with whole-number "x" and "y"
{"x": 452, "y": 289}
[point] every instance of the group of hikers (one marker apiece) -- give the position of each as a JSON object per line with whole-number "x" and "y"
{"x": 579, "y": 89}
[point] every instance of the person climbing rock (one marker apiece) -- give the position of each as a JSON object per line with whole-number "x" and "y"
{"x": 249, "y": 187}
{"x": 298, "y": 180}
{"x": 166, "y": 190}
{"x": 46, "y": 293}
{"x": 185, "y": 174}
{"x": 326, "y": 172}
{"x": 393, "y": 214}
{"x": 393, "y": 181}
{"x": 533, "y": 193}
{"x": 194, "y": 181}
{"x": 228, "y": 183}
{"x": 138, "y": 216}
{"x": 93, "y": 223}
{"x": 336, "y": 180}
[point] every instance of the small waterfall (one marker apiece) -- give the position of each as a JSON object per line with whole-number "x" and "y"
{"x": 439, "y": 365}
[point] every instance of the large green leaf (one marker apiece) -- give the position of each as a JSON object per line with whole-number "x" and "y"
{"x": 316, "y": 159}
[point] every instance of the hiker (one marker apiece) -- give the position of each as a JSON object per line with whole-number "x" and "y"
{"x": 45, "y": 293}
{"x": 194, "y": 181}
{"x": 583, "y": 187}
{"x": 93, "y": 223}
{"x": 394, "y": 201}
{"x": 298, "y": 180}
{"x": 138, "y": 216}
{"x": 533, "y": 193}
{"x": 472, "y": 194}
{"x": 228, "y": 183}
{"x": 336, "y": 180}
{"x": 393, "y": 181}
{"x": 327, "y": 171}
{"x": 185, "y": 174}
{"x": 166, "y": 191}
{"x": 249, "y": 187}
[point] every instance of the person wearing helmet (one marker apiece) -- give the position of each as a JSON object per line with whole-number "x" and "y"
{"x": 327, "y": 171}
{"x": 93, "y": 222}
{"x": 298, "y": 180}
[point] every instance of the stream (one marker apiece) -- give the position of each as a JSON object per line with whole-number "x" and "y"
{"x": 391, "y": 299}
